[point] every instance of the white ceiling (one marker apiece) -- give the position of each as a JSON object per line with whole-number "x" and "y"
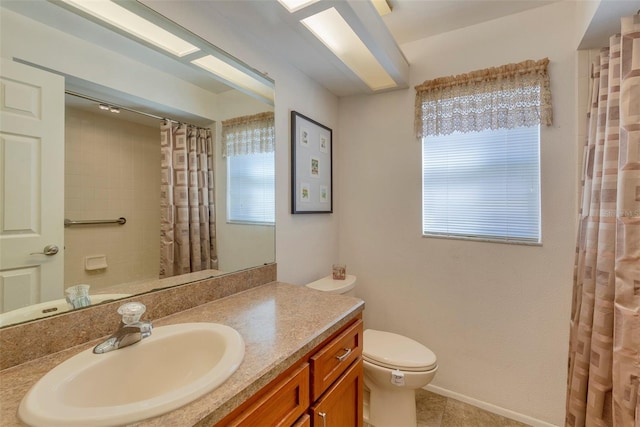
{"x": 270, "y": 27}
{"x": 412, "y": 20}
{"x": 606, "y": 22}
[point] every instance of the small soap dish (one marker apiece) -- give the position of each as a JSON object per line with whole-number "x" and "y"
{"x": 95, "y": 262}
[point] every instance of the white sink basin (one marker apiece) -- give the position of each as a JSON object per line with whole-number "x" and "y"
{"x": 174, "y": 366}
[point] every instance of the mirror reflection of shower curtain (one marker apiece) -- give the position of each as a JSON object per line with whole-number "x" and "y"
{"x": 187, "y": 214}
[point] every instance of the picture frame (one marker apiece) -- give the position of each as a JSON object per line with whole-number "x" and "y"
{"x": 311, "y": 166}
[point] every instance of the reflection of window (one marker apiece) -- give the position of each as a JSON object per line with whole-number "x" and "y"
{"x": 482, "y": 184}
{"x": 248, "y": 145}
{"x": 251, "y": 188}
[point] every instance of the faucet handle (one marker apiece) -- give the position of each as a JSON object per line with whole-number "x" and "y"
{"x": 131, "y": 312}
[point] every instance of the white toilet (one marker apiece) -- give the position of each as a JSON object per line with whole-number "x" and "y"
{"x": 394, "y": 367}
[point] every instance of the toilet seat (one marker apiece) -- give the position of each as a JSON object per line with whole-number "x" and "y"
{"x": 395, "y": 351}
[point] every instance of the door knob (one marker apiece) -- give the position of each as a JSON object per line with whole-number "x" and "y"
{"x": 48, "y": 250}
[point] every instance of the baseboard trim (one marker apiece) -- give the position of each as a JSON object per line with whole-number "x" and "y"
{"x": 489, "y": 407}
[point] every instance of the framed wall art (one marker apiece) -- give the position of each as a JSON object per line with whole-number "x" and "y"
{"x": 311, "y": 166}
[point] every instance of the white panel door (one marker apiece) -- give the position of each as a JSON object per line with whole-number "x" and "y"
{"x": 31, "y": 185}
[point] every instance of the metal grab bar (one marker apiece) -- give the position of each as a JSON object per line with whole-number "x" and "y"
{"x": 121, "y": 221}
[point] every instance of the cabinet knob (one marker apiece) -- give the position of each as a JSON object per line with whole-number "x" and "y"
{"x": 323, "y": 415}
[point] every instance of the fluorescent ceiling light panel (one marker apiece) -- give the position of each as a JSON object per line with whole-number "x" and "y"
{"x": 332, "y": 30}
{"x": 295, "y": 5}
{"x": 228, "y": 72}
{"x": 135, "y": 25}
{"x": 382, "y": 6}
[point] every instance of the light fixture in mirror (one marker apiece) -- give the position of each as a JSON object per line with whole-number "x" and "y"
{"x": 120, "y": 17}
{"x": 222, "y": 69}
{"x": 120, "y": 71}
{"x": 138, "y": 22}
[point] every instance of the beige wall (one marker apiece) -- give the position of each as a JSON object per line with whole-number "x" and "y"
{"x": 112, "y": 170}
{"x": 496, "y": 315}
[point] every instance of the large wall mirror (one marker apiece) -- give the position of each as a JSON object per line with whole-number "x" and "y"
{"x": 122, "y": 104}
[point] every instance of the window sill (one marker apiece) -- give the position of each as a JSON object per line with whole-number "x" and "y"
{"x": 483, "y": 239}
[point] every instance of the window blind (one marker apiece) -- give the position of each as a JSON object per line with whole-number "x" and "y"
{"x": 251, "y": 188}
{"x": 483, "y": 185}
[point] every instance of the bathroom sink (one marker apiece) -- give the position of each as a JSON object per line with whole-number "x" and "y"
{"x": 174, "y": 366}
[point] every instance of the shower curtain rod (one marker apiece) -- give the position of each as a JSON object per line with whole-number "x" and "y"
{"x": 153, "y": 116}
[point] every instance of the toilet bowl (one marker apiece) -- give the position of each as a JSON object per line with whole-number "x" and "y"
{"x": 394, "y": 367}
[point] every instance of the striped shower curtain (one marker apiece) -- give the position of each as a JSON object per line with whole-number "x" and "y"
{"x": 604, "y": 355}
{"x": 187, "y": 214}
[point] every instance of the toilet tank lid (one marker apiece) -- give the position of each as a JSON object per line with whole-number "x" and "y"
{"x": 396, "y": 351}
{"x": 328, "y": 284}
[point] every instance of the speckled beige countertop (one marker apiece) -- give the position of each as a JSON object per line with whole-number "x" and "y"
{"x": 279, "y": 322}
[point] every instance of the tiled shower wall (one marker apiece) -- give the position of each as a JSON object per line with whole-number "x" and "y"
{"x": 112, "y": 170}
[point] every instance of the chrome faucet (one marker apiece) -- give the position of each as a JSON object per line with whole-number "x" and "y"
{"x": 131, "y": 329}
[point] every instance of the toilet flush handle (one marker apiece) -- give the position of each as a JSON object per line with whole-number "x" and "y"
{"x": 345, "y": 355}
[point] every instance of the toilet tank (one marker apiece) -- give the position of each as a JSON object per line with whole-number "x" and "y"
{"x": 328, "y": 284}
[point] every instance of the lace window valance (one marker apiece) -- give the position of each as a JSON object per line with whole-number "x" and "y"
{"x": 505, "y": 97}
{"x": 248, "y": 135}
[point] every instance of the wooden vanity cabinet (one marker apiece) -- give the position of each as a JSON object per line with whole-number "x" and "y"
{"x": 323, "y": 389}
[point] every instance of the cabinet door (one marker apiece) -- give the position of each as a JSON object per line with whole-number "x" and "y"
{"x": 281, "y": 405}
{"x": 341, "y": 405}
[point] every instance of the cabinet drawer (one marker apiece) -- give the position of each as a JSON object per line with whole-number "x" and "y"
{"x": 334, "y": 358}
{"x": 281, "y": 406}
{"x": 304, "y": 421}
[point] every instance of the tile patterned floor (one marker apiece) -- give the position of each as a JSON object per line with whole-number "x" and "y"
{"x": 434, "y": 410}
